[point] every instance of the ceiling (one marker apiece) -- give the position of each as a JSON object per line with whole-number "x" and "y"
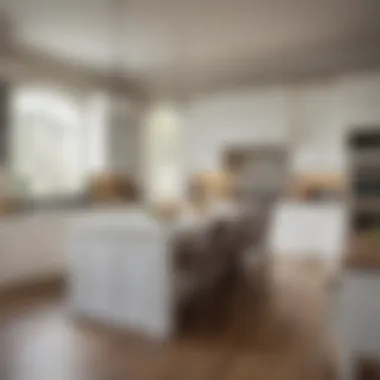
{"x": 195, "y": 45}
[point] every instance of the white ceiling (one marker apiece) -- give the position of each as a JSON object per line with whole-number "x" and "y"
{"x": 199, "y": 44}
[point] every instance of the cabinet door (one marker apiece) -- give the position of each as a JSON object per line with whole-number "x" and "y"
{"x": 141, "y": 284}
{"x": 359, "y": 313}
{"x": 90, "y": 276}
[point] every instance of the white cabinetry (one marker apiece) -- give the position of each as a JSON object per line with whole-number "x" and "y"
{"x": 120, "y": 271}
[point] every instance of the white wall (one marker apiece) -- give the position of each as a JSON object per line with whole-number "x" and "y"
{"x": 248, "y": 117}
{"x": 327, "y": 111}
{"x": 317, "y": 121}
{"x": 312, "y": 117}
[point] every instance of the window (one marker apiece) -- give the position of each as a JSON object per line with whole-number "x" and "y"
{"x": 48, "y": 142}
{"x": 164, "y": 182}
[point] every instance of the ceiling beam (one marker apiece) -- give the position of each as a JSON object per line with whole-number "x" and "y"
{"x": 20, "y": 65}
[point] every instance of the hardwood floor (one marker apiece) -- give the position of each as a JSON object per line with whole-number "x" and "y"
{"x": 250, "y": 332}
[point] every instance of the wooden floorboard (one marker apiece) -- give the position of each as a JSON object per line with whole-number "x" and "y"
{"x": 271, "y": 334}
